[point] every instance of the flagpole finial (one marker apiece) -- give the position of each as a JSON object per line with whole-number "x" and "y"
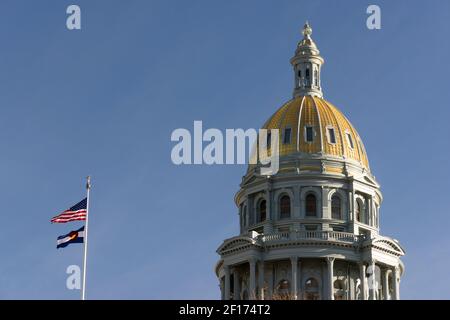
{"x": 88, "y": 183}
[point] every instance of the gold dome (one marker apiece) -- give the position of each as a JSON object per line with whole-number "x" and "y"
{"x": 326, "y": 121}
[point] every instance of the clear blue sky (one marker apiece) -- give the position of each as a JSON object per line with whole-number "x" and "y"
{"x": 104, "y": 101}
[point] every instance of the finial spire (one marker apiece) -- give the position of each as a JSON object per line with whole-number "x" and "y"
{"x": 307, "y": 30}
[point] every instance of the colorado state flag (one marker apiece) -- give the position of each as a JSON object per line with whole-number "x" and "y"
{"x": 72, "y": 237}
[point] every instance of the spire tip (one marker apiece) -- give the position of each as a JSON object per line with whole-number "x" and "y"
{"x": 307, "y": 30}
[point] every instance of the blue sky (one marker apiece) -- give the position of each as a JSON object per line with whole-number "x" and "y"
{"x": 104, "y": 101}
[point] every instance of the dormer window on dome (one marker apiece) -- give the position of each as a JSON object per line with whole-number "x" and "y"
{"x": 309, "y": 134}
{"x": 331, "y": 135}
{"x": 287, "y": 136}
{"x": 350, "y": 140}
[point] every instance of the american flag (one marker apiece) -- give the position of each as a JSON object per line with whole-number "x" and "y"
{"x": 75, "y": 213}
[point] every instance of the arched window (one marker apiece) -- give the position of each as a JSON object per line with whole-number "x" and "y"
{"x": 336, "y": 207}
{"x": 262, "y": 211}
{"x": 282, "y": 290}
{"x": 311, "y": 205}
{"x": 311, "y": 289}
{"x": 358, "y": 211}
{"x": 285, "y": 207}
{"x": 339, "y": 290}
{"x": 311, "y": 283}
{"x": 339, "y": 285}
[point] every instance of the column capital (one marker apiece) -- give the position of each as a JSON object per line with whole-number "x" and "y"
{"x": 294, "y": 259}
{"x": 330, "y": 260}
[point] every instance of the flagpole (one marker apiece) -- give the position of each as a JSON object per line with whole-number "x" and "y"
{"x": 88, "y": 188}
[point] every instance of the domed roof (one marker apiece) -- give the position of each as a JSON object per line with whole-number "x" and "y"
{"x": 330, "y": 132}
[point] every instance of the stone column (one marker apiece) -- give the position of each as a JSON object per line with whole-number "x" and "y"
{"x": 269, "y": 204}
{"x": 395, "y": 278}
{"x": 351, "y": 202}
{"x": 369, "y": 211}
{"x": 348, "y": 287}
{"x": 251, "y": 210}
{"x": 299, "y": 281}
{"x": 302, "y": 203}
{"x": 296, "y": 209}
{"x": 270, "y": 282}
{"x": 294, "y": 293}
{"x": 362, "y": 276}
{"x": 261, "y": 279}
{"x": 385, "y": 281}
{"x": 270, "y": 212}
{"x": 351, "y": 206}
{"x": 236, "y": 285}
{"x": 241, "y": 215}
{"x": 226, "y": 270}
{"x": 324, "y": 289}
{"x": 330, "y": 265}
{"x": 252, "y": 289}
{"x": 326, "y": 213}
{"x": 373, "y": 281}
{"x": 321, "y": 205}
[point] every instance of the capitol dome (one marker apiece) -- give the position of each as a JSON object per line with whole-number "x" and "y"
{"x": 312, "y": 125}
{"x": 310, "y": 230}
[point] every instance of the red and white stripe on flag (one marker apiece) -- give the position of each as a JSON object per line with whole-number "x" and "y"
{"x": 68, "y": 216}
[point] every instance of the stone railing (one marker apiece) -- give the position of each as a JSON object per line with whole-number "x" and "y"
{"x": 311, "y": 235}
